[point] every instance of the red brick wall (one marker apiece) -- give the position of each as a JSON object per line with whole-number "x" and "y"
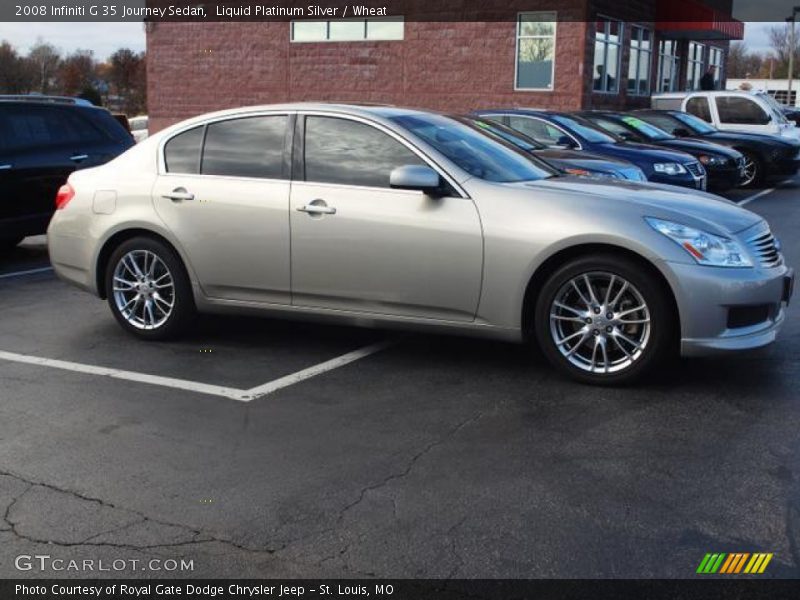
{"x": 454, "y": 66}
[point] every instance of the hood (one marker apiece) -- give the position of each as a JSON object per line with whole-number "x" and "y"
{"x": 637, "y": 153}
{"x": 578, "y": 157}
{"x": 695, "y": 208}
{"x": 753, "y": 137}
{"x": 699, "y": 147}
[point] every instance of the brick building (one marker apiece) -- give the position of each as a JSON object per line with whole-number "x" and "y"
{"x": 564, "y": 54}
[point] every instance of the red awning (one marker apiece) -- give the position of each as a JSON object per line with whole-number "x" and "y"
{"x": 691, "y": 19}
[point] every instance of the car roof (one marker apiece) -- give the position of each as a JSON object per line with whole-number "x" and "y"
{"x": 40, "y": 99}
{"x": 518, "y": 111}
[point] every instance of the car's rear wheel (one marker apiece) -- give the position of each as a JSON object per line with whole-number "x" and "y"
{"x": 753, "y": 171}
{"x": 148, "y": 289}
{"x": 604, "y": 320}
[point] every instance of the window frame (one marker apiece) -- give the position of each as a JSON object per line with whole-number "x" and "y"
{"x": 365, "y": 38}
{"x": 518, "y": 36}
{"x": 286, "y": 168}
{"x": 639, "y": 52}
{"x": 674, "y": 59}
{"x": 298, "y": 154}
{"x": 606, "y": 43}
{"x": 693, "y": 63}
{"x": 720, "y": 53}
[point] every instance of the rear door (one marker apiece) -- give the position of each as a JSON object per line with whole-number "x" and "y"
{"x": 223, "y": 190}
{"x": 359, "y": 245}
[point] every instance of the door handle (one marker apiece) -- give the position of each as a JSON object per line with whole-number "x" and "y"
{"x": 5, "y": 167}
{"x": 317, "y": 207}
{"x": 178, "y": 195}
{"x": 79, "y": 157}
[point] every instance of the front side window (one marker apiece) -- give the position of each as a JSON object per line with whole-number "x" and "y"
{"x": 348, "y": 30}
{"x": 541, "y": 131}
{"x": 248, "y": 147}
{"x": 536, "y": 44}
{"x": 352, "y": 153}
{"x": 607, "y": 45}
{"x": 474, "y": 152}
{"x": 698, "y": 106}
{"x": 585, "y": 129}
{"x": 694, "y": 65}
{"x": 182, "y": 153}
{"x": 668, "y": 66}
{"x": 744, "y": 111}
{"x": 639, "y": 65}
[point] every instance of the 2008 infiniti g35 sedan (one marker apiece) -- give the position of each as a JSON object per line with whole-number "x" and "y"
{"x": 398, "y": 217}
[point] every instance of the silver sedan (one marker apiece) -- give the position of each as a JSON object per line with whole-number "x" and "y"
{"x": 403, "y": 218}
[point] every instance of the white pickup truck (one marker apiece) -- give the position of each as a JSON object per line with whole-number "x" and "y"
{"x": 754, "y": 112}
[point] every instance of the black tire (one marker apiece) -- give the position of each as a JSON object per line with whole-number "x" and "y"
{"x": 183, "y": 308}
{"x": 8, "y": 244}
{"x": 758, "y": 177}
{"x": 659, "y": 341}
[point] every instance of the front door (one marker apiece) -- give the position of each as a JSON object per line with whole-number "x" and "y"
{"x": 359, "y": 245}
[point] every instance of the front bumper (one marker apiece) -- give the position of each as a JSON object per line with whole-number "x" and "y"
{"x": 724, "y": 178}
{"x": 708, "y": 297}
{"x": 683, "y": 180}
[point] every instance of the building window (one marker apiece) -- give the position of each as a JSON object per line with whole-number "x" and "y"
{"x": 536, "y": 47}
{"x": 694, "y": 65}
{"x": 607, "y": 51}
{"x": 348, "y": 30}
{"x": 669, "y": 62}
{"x": 640, "y": 59}
{"x": 716, "y": 58}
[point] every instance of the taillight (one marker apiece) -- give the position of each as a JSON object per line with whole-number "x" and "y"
{"x": 65, "y": 193}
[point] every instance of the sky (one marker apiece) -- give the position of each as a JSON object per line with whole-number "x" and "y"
{"x": 105, "y": 38}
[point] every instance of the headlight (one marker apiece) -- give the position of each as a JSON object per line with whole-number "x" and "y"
{"x": 669, "y": 168}
{"x": 706, "y": 248}
{"x": 712, "y": 161}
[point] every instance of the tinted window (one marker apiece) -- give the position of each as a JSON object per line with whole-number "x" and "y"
{"x": 646, "y": 129}
{"x": 585, "y": 129}
{"x": 697, "y": 125}
{"x": 352, "y": 153}
{"x": 476, "y": 153}
{"x": 251, "y": 147}
{"x": 698, "y": 106}
{"x": 665, "y": 122}
{"x": 34, "y": 126}
{"x": 735, "y": 109}
{"x": 612, "y": 126}
{"x": 541, "y": 131}
{"x": 182, "y": 153}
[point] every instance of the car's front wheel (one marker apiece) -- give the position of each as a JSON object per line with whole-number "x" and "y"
{"x": 753, "y": 171}
{"x": 148, "y": 289}
{"x": 604, "y": 320}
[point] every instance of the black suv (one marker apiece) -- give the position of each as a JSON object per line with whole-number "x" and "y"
{"x": 42, "y": 140}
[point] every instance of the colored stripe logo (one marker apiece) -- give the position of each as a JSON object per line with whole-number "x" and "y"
{"x": 734, "y": 563}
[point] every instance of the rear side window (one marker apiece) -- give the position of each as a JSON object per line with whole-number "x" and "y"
{"x": 735, "y": 109}
{"x": 182, "y": 153}
{"x": 249, "y": 147}
{"x": 540, "y": 131}
{"x": 41, "y": 126}
{"x": 352, "y": 153}
{"x": 698, "y": 106}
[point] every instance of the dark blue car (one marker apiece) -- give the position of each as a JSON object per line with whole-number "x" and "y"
{"x": 563, "y": 130}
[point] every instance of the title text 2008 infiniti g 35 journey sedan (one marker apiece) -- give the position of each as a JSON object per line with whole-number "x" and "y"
{"x": 409, "y": 218}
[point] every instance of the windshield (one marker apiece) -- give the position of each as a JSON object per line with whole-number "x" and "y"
{"x": 586, "y": 130}
{"x": 777, "y": 108}
{"x": 646, "y": 129}
{"x": 694, "y": 123}
{"x": 478, "y": 154}
{"x": 506, "y": 134}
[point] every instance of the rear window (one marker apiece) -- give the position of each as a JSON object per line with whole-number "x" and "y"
{"x": 182, "y": 153}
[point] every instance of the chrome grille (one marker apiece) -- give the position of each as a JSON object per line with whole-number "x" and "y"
{"x": 766, "y": 248}
{"x": 695, "y": 169}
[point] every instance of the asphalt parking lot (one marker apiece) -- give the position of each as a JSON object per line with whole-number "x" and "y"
{"x": 425, "y": 456}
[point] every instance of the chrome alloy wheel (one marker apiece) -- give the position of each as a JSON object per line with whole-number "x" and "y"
{"x": 750, "y": 170}
{"x": 600, "y": 322}
{"x": 144, "y": 291}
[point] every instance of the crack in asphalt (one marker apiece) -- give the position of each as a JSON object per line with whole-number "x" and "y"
{"x": 198, "y": 536}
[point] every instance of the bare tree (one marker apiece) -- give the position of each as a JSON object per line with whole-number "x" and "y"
{"x": 77, "y": 72}
{"x": 14, "y": 75}
{"x": 44, "y": 59}
{"x": 127, "y": 74}
{"x": 779, "y": 38}
{"x": 742, "y": 63}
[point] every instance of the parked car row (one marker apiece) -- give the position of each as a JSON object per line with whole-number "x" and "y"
{"x": 414, "y": 219}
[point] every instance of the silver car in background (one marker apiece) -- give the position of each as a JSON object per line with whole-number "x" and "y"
{"x": 405, "y": 218}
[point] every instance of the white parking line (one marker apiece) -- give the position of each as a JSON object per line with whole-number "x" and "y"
{"x": 28, "y": 272}
{"x": 761, "y": 194}
{"x": 195, "y": 386}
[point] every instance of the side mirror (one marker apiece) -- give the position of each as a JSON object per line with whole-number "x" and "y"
{"x": 565, "y": 141}
{"x": 415, "y": 177}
